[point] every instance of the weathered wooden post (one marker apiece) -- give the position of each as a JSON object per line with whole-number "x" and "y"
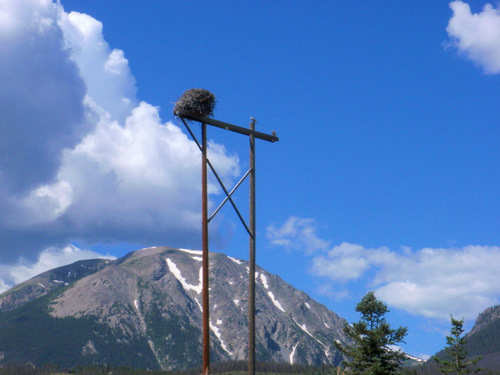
{"x": 197, "y": 105}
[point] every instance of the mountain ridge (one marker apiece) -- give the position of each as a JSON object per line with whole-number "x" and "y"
{"x": 42, "y": 284}
{"x": 484, "y": 338}
{"x": 150, "y": 300}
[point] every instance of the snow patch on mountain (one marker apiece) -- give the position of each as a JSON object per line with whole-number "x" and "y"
{"x": 264, "y": 281}
{"x": 293, "y": 352}
{"x": 416, "y": 359}
{"x": 217, "y": 333}
{"x": 275, "y": 301}
{"x": 303, "y": 327}
{"x": 199, "y": 304}
{"x": 194, "y": 252}
{"x": 177, "y": 273}
{"x": 237, "y": 261}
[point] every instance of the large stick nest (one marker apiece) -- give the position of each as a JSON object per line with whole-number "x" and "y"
{"x": 198, "y": 102}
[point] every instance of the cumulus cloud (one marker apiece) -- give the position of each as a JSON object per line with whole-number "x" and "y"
{"x": 41, "y": 101}
{"x": 297, "y": 233}
{"x": 139, "y": 183}
{"x": 437, "y": 282}
{"x": 428, "y": 282}
{"x": 347, "y": 261}
{"x": 106, "y": 71}
{"x": 477, "y": 35}
{"x": 81, "y": 158}
{"x": 48, "y": 259}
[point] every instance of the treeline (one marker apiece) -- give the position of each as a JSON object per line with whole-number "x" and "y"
{"x": 232, "y": 367}
{"x": 432, "y": 369}
{"x": 268, "y": 367}
{"x": 28, "y": 369}
{"x": 215, "y": 368}
{"x": 228, "y": 368}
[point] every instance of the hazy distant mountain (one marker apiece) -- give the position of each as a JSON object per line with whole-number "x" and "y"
{"x": 144, "y": 310}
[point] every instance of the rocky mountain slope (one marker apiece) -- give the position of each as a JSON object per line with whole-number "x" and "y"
{"x": 44, "y": 283}
{"x": 484, "y": 338}
{"x": 144, "y": 310}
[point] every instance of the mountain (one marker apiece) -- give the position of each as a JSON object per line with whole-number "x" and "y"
{"x": 484, "y": 338}
{"x": 144, "y": 311}
{"x": 42, "y": 284}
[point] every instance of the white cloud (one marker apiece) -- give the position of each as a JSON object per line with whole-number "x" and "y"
{"x": 106, "y": 72}
{"x": 80, "y": 156}
{"x": 349, "y": 261}
{"x": 15, "y": 15}
{"x": 297, "y": 233}
{"x": 48, "y": 259}
{"x": 142, "y": 178}
{"x": 437, "y": 282}
{"x": 476, "y": 35}
{"x": 41, "y": 108}
{"x": 429, "y": 282}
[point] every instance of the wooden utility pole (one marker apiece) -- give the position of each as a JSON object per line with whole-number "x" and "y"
{"x": 250, "y": 228}
{"x": 205, "y": 260}
{"x": 251, "y": 258}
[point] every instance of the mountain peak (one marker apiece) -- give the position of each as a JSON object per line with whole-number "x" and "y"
{"x": 487, "y": 317}
{"x": 150, "y": 300}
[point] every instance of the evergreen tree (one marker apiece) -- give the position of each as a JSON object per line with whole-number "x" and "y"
{"x": 372, "y": 337}
{"x": 457, "y": 353}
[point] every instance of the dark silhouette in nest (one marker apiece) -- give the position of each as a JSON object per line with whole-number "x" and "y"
{"x": 197, "y": 102}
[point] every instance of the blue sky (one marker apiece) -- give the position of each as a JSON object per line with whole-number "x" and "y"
{"x": 385, "y": 177}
